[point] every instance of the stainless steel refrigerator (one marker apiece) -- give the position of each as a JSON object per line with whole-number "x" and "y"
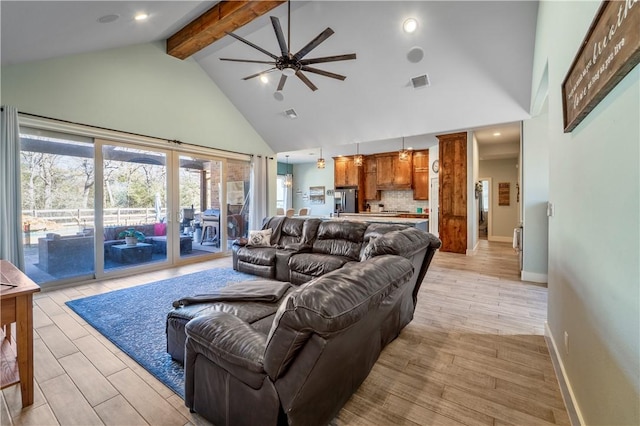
{"x": 346, "y": 200}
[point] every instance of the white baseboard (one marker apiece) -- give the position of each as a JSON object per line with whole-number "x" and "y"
{"x": 573, "y": 410}
{"x": 500, "y": 239}
{"x": 534, "y": 277}
{"x": 474, "y": 251}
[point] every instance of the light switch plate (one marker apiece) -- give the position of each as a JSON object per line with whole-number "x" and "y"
{"x": 550, "y": 209}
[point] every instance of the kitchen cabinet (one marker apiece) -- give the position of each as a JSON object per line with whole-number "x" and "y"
{"x": 346, "y": 173}
{"x": 421, "y": 175}
{"x": 371, "y": 191}
{"x": 391, "y": 173}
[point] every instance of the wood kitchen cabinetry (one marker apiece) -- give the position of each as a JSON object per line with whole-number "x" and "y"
{"x": 421, "y": 175}
{"x": 391, "y": 173}
{"x": 346, "y": 173}
{"x": 371, "y": 191}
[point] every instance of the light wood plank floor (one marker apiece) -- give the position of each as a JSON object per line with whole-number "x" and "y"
{"x": 474, "y": 354}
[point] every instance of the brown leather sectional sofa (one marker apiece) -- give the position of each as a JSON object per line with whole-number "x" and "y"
{"x": 294, "y": 350}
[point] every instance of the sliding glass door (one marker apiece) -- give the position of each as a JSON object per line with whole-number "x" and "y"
{"x": 134, "y": 214}
{"x": 57, "y": 205}
{"x": 198, "y": 187}
{"x": 152, "y": 205}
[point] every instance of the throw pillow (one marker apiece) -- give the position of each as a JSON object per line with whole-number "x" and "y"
{"x": 260, "y": 238}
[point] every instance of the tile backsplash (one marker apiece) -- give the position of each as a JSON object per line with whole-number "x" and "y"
{"x": 398, "y": 200}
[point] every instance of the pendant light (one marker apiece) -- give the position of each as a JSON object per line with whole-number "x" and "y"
{"x": 403, "y": 154}
{"x": 357, "y": 160}
{"x": 288, "y": 177}
{"x": 320, "y": 163}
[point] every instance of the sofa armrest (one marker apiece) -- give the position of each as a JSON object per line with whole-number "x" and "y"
{"x": 231, "y": 343}
{"x": 241, "y": 242}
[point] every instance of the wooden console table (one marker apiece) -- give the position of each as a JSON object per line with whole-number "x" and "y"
{"x": 16, "y": 294}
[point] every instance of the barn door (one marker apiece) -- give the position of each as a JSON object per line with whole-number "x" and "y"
{"x": 453, "y": 192}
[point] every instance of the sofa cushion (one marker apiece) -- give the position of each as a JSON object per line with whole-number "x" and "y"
{"x": 340, "y": 239}
{"x": 316, "y": 264}
{"x": 260, "y": 238}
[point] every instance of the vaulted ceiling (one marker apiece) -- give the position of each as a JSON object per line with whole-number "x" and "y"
{"x": 477, "y": 56}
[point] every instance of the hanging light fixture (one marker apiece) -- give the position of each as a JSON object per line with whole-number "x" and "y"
{"x": 403, "y": 154}
{"x": 320, "y": 163}
{"x": 288, "y": 177}
{"x": 357, "y": 160}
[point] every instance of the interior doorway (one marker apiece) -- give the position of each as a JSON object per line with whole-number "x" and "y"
{"x": 484, "y": 208}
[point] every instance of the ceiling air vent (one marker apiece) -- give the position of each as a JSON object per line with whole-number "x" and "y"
{"x": 291, "y": 113}
{"x": 420, "y": 81}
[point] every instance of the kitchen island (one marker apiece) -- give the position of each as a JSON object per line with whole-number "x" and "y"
{"x": 420, "y": 223}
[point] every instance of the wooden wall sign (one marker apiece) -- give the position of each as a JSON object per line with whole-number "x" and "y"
{"x": 504, "y": 194}
{"x": 609, "y": 51}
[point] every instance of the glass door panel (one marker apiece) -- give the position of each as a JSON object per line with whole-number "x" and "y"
{"x": 237, "y": 205}
{"x": 134, "y": 207}
{"x": 57, "y": 205}
{"x": 199, "y": 195}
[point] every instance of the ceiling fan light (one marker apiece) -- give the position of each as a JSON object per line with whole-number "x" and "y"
{"x": 289, "y": 72}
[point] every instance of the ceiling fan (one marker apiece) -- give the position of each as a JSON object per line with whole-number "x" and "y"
{"x": 293, "y": 64}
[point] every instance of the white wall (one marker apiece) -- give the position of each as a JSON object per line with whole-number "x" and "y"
{"x": 306, "y": 175}
{"x": 503, "y": 218}
{"x": 535, "y": 173}
{"x": 138, "y": 89}
{"x": 594, "y": 236}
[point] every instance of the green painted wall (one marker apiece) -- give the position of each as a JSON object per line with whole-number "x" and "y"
{"x": 594, "y": 235}
{"x": 138, "y": 89}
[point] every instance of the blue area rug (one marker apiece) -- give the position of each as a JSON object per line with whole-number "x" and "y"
{"x": 134, "y": 318}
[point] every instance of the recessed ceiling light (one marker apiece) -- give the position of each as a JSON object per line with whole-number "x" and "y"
{"x": 264, "y": 78}
{"x": 141, "y": 17}
{"x": 410, "y": 25}
{"x": 108, "y": 18}
{"x": 497, "y": 134}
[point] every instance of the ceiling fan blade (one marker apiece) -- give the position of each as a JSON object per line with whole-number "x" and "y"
{"x": 313, "y": 43}
{"x": 328, "y": 59}
{"x": 323, "y": 72}
{"x": 280, "y": 36}
{"x": 250, "y": 61}
{"x": 306, "y": 81}
{"x": 258, "y": 73}
{"x": 248, "y": 43}
{"x": 283, "y": 79}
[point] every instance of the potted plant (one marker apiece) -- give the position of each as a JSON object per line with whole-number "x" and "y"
{"x": 131, "y": 236}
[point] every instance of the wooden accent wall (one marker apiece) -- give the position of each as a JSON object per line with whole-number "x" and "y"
{"x": 453, "y": 192}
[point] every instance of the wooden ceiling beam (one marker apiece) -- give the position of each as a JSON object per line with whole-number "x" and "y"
{"x": 225, "y": 16}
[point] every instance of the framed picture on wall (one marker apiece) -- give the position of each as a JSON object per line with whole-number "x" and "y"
{"x": 316, "y": 194}
{"x": 504, "y": 194}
